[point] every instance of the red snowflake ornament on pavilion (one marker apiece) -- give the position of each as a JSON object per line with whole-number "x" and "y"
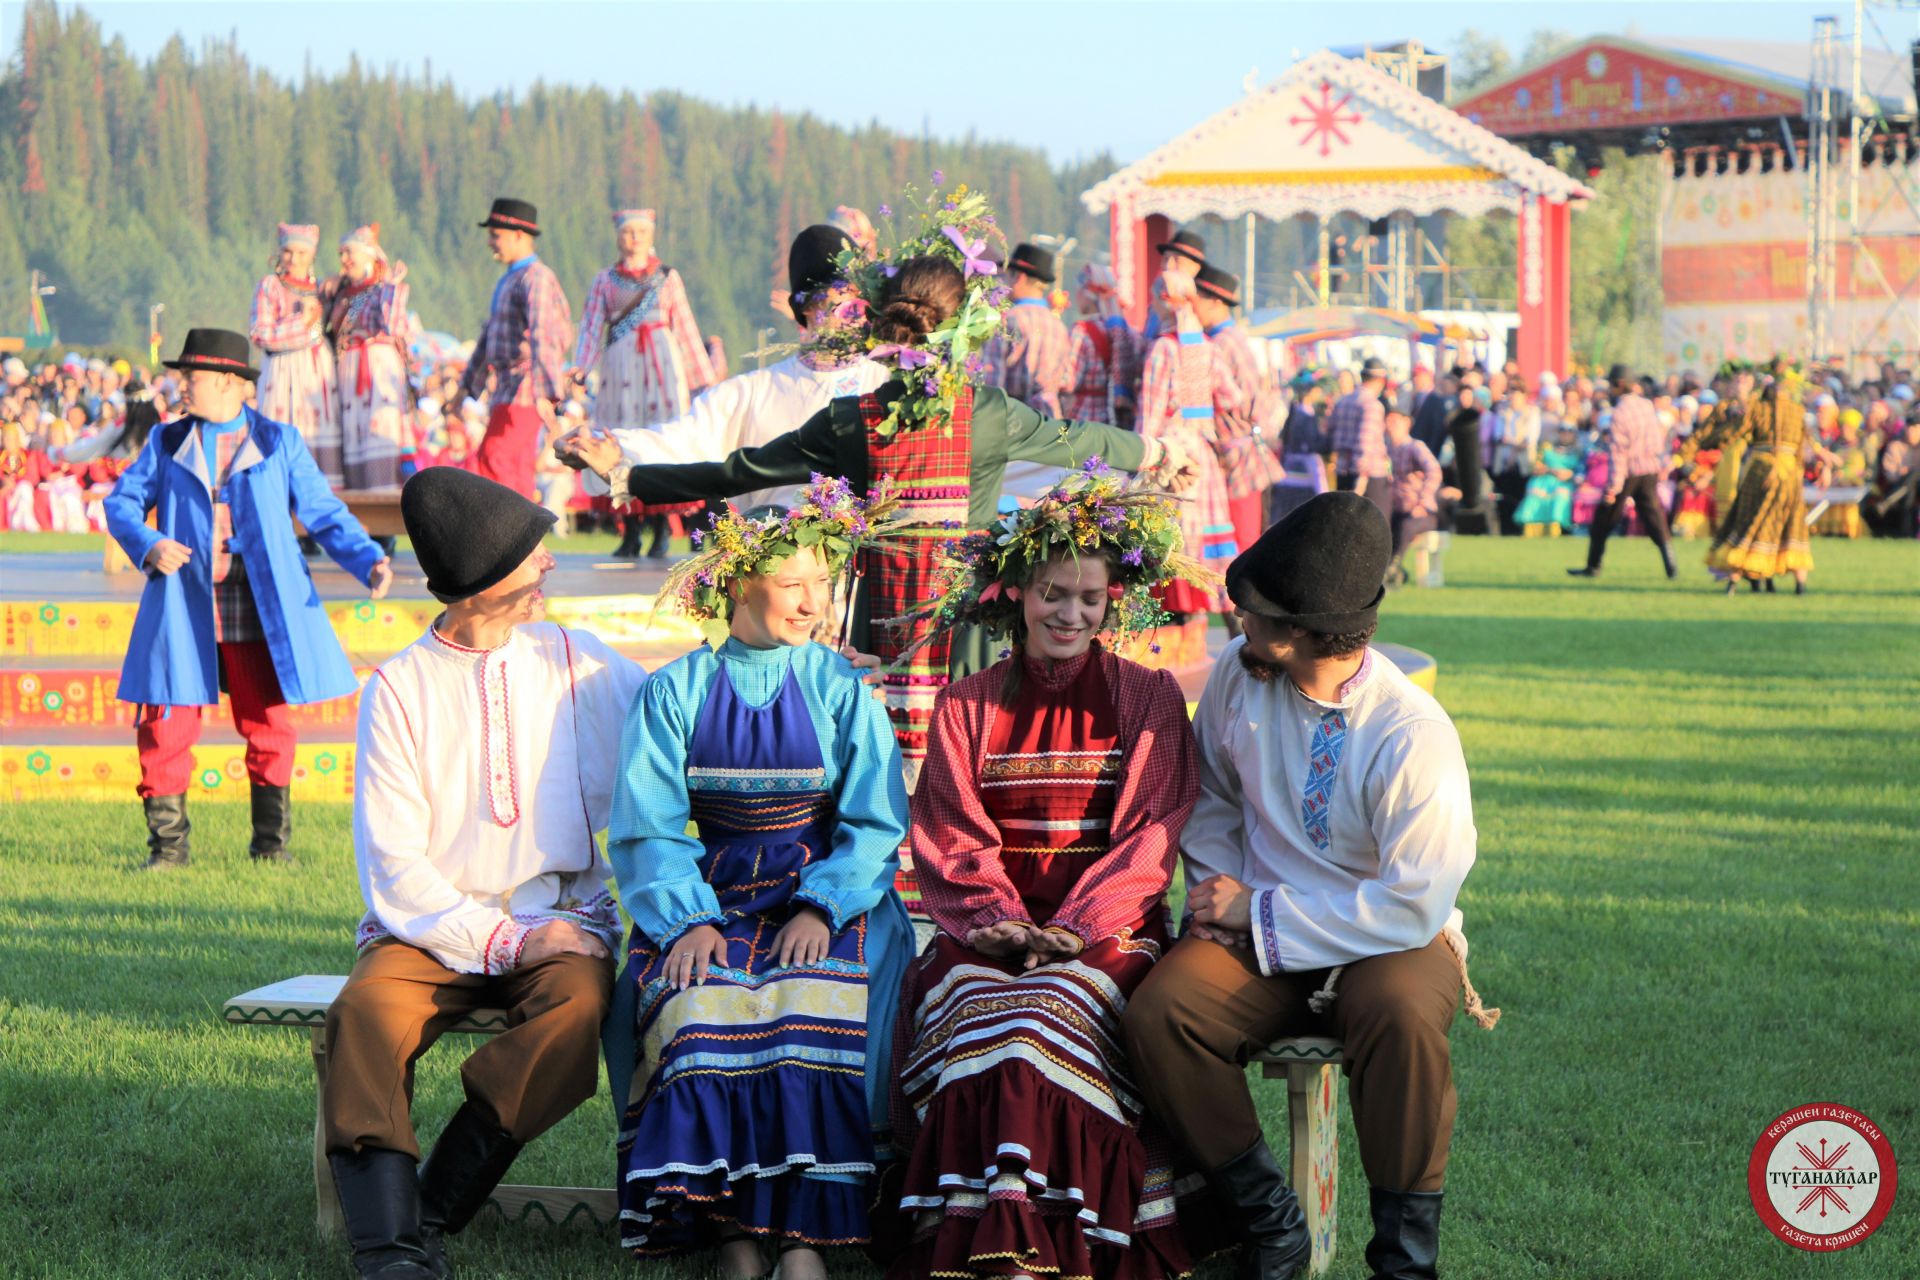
{"x": 1325, "y": 119}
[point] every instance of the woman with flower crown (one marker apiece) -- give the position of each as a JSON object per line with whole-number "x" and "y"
{"x": 944, "y": 440}
{"x": 749, "y": 1047}
{"x": 1045, "y": 832}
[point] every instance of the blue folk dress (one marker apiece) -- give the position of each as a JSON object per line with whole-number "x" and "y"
{"x": 758, "y": 1101}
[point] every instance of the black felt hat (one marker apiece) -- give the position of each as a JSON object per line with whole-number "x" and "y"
{"x": 1223, "y": 286}
{"x": 1619, "y": 374}
{"x": 1032, "y": 260}
{"x": 513, "y": 215}
{"x": 812, "y": 262}
{"x": 220, "y": 350}
{"x": 1321, "y": 568}
{"x": 1372, "y": 367}
{"x": 1187, "y": 244}
{"x": 468, "y": 531}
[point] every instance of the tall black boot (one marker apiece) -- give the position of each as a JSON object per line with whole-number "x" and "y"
{"x": 380, "y": 1199}
{"x": 660, "y": 530}
{"x": 272, "y": 824}
{"x": 1277, "y": 1244}
{"x": 167, "y": 832}
{"x": 466, "y": 1164}
{"x": 629, "y": 548}
{"x": 1406, "y": 1235}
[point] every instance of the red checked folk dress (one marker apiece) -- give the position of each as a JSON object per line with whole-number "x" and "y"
{"x": 1018, "y": 1122}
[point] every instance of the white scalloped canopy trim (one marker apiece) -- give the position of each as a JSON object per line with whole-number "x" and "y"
{"x": 1467, "y": 200}
{"x": 1446, "y": 127}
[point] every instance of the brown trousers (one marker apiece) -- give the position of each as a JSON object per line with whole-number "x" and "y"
{"x": 1205, "y": 1010}
{"x": 397, "y": 1002}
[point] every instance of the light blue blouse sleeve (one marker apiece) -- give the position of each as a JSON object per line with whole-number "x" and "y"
{"x": 655, "y": 862}
{"x": 871, "y": 797}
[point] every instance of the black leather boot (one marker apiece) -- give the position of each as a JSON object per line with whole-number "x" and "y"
{"x": 1277, "y": 1244}
{"x": 167, "y": 832}
{"x": 272, "y": 823}
{"x": 629, "y": 548}
{"x": 1406, "y": 1235}
{"x": 380, "y": 1199}
{"x": 466, "y": 1164}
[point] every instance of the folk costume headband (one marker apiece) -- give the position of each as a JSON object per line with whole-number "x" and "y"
{"x": 1095, "y": 511}
{"x": 829, "y": 517}
{"x": 622, "y": 217}
{"x": 299, "y": 233}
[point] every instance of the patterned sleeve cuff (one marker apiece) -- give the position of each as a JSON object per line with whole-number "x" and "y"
{"x": 1266, "y": 939}
{"x": 1073, "y": 929}
{"x": 692, "y": 922}
{"x": 835, "y": 920}
{"x": 504, "y": 945}
{"x": 617, "y": 485}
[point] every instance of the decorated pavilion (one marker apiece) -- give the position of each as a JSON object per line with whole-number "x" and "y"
{"x": 1337, "y": 135}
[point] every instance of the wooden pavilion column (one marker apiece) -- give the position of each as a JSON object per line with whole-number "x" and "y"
{"x": 1546, "y": 287}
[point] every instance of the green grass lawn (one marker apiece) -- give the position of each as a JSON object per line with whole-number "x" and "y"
{"x": 1697, "y": 901}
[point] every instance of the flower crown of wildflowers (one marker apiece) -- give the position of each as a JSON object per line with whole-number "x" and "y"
{"x": 732, "y": 548}
{"x": 957, "y": 225}
{"x": 1094, "y": 511}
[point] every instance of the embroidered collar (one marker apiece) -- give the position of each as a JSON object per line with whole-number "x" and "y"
{"x": 648, "y": 268}
{"x": 460, "y": 652}
{"x": 1349, "y": 688}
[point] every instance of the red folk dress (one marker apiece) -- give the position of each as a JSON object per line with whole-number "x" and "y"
{"x": 1061, "y": 810}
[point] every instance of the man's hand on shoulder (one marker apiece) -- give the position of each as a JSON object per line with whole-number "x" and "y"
{"x": 867, "y": 667}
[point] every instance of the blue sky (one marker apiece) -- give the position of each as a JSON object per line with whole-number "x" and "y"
{"x": 1072, "y": 76}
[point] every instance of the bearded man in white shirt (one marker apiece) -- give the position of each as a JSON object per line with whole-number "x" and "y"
{"x": 486, "y": 757}
{"x": 1332, "y": 835}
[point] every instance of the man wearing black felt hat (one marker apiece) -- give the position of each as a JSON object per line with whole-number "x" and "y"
{"x": 485, "y": 762}
{"x": 1027, "y": 359}
{"x": 523, "y": 348}
{"x": 229, "y": 606}
{"x": 1333, "y": 833}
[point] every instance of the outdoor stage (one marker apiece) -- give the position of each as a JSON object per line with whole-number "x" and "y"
{"x": 65, "y": 625}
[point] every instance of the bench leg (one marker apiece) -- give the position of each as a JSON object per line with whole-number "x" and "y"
{"x": 1313, "y": 1112}
{"x": 328, "y": 1220}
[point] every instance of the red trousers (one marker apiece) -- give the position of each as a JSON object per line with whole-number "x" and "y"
{"x": 506, "y": 454}
{"x": 1249, "y": 516}
{"x": 166, "y": 734}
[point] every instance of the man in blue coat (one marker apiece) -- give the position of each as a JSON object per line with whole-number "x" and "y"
{"x": 229, "y": 603}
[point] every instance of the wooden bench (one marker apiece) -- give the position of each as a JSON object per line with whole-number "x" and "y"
{"x": 1309, "y": 1064}
{"x": 303, "y": 1002}
{"x": 1311, "y": 1067}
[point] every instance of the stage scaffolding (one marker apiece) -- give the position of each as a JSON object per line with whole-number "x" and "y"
{"x": 1841, "y": 236}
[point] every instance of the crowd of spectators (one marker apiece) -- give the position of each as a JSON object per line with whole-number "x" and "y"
{"x": 1515, "y": 455}
{"x": 1520, "y": 455}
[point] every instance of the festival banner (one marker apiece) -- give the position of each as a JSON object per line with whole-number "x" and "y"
{"x": 1734, "y": 268}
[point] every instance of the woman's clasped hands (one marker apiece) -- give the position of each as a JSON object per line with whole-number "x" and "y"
{"x": 1016, "y": 939}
